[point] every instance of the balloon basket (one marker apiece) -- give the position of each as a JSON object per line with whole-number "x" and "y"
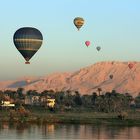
{"x": 27, "y": 62}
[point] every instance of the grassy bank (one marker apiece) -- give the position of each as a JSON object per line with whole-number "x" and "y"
{"x": 74, "y": 117}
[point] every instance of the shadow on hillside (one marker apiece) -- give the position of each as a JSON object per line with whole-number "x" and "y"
{"x": 21, "y": 84}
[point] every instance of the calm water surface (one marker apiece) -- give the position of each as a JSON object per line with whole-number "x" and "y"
{"x": 66, "y": 132}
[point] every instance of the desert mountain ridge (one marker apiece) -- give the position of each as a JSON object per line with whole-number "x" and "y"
{"x": 87, "y": 80}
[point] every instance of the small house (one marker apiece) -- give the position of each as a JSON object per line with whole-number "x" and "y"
{"x": 32, "y": 100}
{"x": 51, "y": 103}
{"x": 7, "y": 104}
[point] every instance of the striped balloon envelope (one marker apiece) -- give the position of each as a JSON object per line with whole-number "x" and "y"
{"x": 78, "y": 22}
{"x": 28, "y": 40}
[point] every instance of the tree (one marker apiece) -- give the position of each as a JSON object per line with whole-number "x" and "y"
{"x": 2, "y": 96}
{"x": 32, "y": 92}
{"x": 59, "y": 98}
{"x": 69, "y": 99}
{"x": 77, "y": 99}
{"x": 99, "y": 90}
{"x": 137, "y": 101}
{"x": 20, "y": 93}
{"x": 100, "y": 104}
{"x": 87, "y": 100}
{"x": 129, "y": 98}
{"x": 112, "y": 102}
{"x": 93, "y": 98}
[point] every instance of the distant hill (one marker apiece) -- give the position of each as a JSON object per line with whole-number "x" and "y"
{"x": 86, "y": 80}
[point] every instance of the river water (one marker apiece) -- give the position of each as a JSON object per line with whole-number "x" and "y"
{"x": 66, "y": 132}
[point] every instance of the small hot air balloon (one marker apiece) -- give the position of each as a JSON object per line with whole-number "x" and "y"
{"x": 78, "y": 22}
{"x": 28, "y": 81}
{"x": 87, "y": 43}
{"x": 98, "y": 48}
{"x": 112, "y": 62}
{"x": 28, "y": 40}
{"x": 111, "y": 76}
{"x": 130, "y": 65}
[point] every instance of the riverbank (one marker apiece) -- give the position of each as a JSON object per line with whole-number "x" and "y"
{"x": 37, "y": 116}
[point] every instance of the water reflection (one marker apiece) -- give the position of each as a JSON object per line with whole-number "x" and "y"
{"x": 66, "y": 131}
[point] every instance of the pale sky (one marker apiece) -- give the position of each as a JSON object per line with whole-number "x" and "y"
{"x": 112, "y": 24}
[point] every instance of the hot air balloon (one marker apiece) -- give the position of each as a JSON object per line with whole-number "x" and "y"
{"x": 78, "y": 22}
{"x": 98, "y": 48}
{"x": 87, "y": 43}
{"x": 27, "y": 40}
{"x": 130, "y": 65}
{"x": 111, "y": 76}
{"x": 28, "y": 81}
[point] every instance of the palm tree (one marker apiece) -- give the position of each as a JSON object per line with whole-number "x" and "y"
{"x": 20, "y": 93}
{"x": 99, "y": 90}
{"x": 77, "y": 98}
{"x": 68, "y": 100}
{"x": 93, "y": 97}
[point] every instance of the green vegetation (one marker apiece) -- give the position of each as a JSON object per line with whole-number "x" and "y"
{"x": 110, "y": 108}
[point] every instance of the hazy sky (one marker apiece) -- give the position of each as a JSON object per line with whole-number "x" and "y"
{"x": 112, "y": 24}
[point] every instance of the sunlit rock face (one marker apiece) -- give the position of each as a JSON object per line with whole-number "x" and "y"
{"x": 87, "y": 80}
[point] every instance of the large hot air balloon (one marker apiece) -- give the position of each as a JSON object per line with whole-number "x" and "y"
{"x": 98, "y": 48}
{"x": 111, "y": 76}
{"x": 87, "y": 43}
{"x": 78, "y": 22}
{"x": 28, "y": 40}
{"x": 130, "y": 65}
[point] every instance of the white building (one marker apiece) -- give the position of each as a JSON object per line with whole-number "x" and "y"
{"x": 7, "y": 104}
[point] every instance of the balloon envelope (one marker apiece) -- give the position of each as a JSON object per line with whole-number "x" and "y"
{"x": 130, "y": 65}
{"x": 87, "y": 43}
{"x": 111, "y": 76}
{"x": 98, "y": 48}
{"x": 78, "y": 22}
{"x": 28, "y": 40}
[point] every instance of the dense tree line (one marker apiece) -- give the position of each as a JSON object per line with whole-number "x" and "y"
{"x": 68, "y": 100}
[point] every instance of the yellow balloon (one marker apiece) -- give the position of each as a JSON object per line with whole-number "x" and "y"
{"x": 78, "y": 22}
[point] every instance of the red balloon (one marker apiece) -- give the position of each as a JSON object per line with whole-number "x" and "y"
{"x": 130, "y": 65}
{"x": 87, "y": 43}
